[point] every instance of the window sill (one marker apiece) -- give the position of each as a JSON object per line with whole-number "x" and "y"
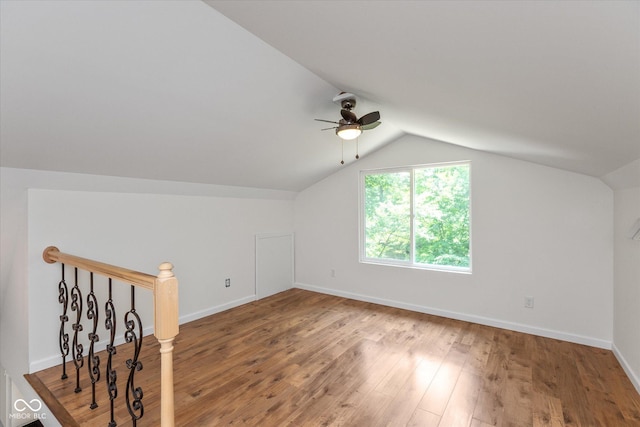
{"x": 428, "y": 267}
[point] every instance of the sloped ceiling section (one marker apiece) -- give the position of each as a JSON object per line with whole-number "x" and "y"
{"x": 168, "y": 90}
{"x": 553, "y": 82}
{"x": 176, "y": 90}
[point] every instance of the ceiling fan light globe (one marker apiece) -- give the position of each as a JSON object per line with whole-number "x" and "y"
{"x": 348, "y": 132}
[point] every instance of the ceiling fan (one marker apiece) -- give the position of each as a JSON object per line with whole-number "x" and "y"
{"x": 350, "y": 126}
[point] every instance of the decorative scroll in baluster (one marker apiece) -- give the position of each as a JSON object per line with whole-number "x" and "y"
{"x": 93, "y": 360}
{"x": 63, "y": 298}
{"x": 77, "y": 348}
{"x": 132, "y": 321}
{"x": 110, "y": 325}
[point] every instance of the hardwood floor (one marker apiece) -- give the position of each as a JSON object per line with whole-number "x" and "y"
{"x": 305, "y": 359}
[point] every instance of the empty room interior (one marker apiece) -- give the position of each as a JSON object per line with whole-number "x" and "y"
{"x": 320, "y": 213}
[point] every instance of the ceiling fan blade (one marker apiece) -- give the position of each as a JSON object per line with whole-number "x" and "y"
{"x": 348, "y": 116}
{"x": 370, "y": 126}
{"x": 335, "y": 127}
{"x": 327, "y": 121}
{"x": 369, "y": 118}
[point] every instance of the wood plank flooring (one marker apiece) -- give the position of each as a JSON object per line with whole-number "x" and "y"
{"x": 300, "y": 358}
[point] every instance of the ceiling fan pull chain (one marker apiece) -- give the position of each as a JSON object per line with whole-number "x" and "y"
{"x": 357, "y": 148}
{"x": 342, "y": 146}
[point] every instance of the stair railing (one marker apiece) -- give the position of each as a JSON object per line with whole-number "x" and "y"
{"x": 165, "y": 301}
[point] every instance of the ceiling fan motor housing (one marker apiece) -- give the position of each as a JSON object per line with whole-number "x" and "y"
{"x": 348, "y": 104}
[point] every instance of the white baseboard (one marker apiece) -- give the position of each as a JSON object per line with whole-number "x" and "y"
{"x": 635, "y": 380}
{"x": 56, "y": 359}
{"x": 512, "y": 326}
{"x": 217, "y": 309}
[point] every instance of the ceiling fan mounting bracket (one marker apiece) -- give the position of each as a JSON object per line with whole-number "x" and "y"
{"x": 346, "y": 100}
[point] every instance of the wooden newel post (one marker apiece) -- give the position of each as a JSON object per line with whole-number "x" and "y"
{"x": 165, "y": 299}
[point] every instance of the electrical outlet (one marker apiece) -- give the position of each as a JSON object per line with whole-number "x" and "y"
{"x": 528, "y": 302}
{"x": 227, "y": 283}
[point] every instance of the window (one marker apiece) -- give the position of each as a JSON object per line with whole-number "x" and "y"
{"x": 417, "y": 216}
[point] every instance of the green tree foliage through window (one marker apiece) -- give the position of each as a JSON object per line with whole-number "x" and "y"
{"x": 388, "y": 213}
{"x": 436, "y": 198}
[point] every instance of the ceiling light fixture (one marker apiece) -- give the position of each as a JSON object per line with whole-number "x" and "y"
{"x": 348, "y": 131}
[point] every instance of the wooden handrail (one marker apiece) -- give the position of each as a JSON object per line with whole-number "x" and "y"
{"x": 52, "y": 255}
{"x": 165, "y": 304}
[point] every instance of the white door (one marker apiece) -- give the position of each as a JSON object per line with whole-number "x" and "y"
{"x": 274, "y": 263}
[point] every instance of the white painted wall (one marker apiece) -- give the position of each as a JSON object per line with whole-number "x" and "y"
{"x": 626, "y": 333}
{"x": 536, "y": 231}
{"x": 626, "y": 290}
{"x": 207, "y": 232}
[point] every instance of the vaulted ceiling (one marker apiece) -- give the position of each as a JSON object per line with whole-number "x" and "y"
{"x": 225, "y": 92}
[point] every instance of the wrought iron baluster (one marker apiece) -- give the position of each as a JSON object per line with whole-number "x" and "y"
{"x": 63, "y": 298}
{"x": 110, "y": 325}
{"x": 132, "y": 322}
{"x": 93, "y": 360}
{"x": 77, "y": 348}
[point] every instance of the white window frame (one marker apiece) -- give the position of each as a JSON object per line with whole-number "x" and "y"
{"x": 399, "y": 263}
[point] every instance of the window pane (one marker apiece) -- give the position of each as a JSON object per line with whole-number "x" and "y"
{"x": 442, "y": 216}
{"x": 388, "y": 216}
